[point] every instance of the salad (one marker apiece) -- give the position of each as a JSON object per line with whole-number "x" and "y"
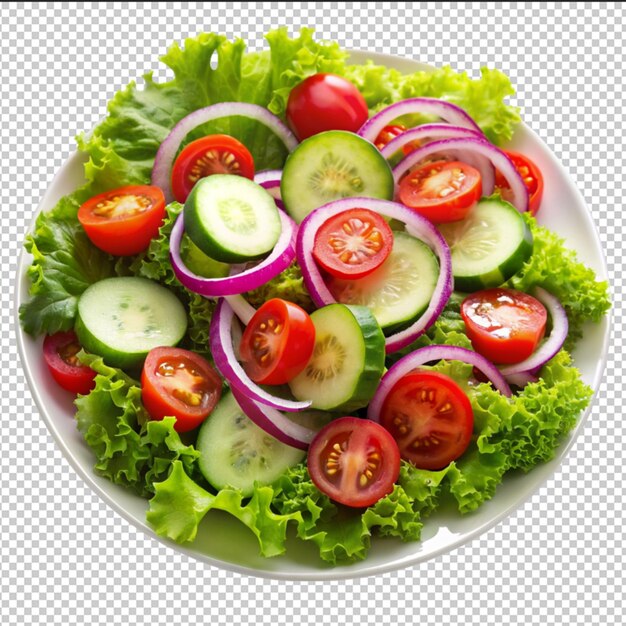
{"x": 310, "y": 294}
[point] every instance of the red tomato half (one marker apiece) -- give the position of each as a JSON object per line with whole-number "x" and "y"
{"x": 353, "y": 243}
{"x": 324, "y": 102}
{"x": 530, "y": 174}
{"x": 443, "y": 191}
{"x": 59, "y": 352}
{"x": 504, "y": 325}
{"x": 123, "y": 221}
{"x": 181, "y": 384}
{"x": 387, "y": 134}
{"x": 277, "y": 343}
{"x": 430, "y": 417}
{"x": 214, "y": 154}
{"x": 354, "y": 461}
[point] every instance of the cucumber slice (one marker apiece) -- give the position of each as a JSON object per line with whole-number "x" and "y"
{"x": 235, "y": 452}
{"x": 122, "y": 319}
{"x": 400, "y": 289}
{"x": 333, "y": 165}
{"x": 231, "y": 218}
{"x": 347, "y": 362}
{"x": 488, "y": 246}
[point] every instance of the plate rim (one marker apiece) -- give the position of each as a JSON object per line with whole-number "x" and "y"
{"x": 343, "y": 572}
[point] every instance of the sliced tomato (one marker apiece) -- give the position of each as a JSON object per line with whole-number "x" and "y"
{"x": 443, "y": 191}
{"x": 531, "y": 175}
{"x": 214, "y": 154}
{"x": 354, "y": 461}
{"x": 181, "y": 384}
{"x": 277, "y": 343}
{"x": 430, "y": 417}
{"x": 123, "y": 221}
{"x": 387, "y": 134}
{"x": 324, "y": 102}
{"x": 504, "y": 325}
{"x": 353, "y": 243}
{"x": 59, "y": 352}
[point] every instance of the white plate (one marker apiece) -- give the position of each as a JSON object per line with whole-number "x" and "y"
{"x": 222, "y": 541}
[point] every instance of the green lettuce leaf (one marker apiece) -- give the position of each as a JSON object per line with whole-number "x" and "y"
{"x": 64, "y": 264}
{"x": 130, "y": 449}
{"x": 575, "y": 285}
{"x": 179, "y": 505}
{"x": 288, "y": 285}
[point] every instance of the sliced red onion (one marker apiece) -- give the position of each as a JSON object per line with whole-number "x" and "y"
{"x": 250, "y": 278}
{"x": 241, "y": 307}
{"x": 275, "y": 423}
{"x": 416, "y": 225}
{"x": 428, "y": 354}
{"x": 444, "y": 110}
{"x": 161, "y": 171}
{"x": 522, "y": 379}
{"x": 270, "y": 181}
{"x": 221, "y": 345}
{"x": 478, "y": 147}
{"x": 430, "y": 132}
{"x": 551, "y": 345}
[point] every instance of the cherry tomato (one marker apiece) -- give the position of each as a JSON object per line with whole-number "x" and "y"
{"x": 504, "y": 325}
{"x": 181, "y": 384}
{"x": 59, "y": 352}
{"x": 443, "y": 191}
{"x": 530, "y": 174}
{"x": 123, "y": 221}
{"x": 387, "y": 134}
{"x": 214, "y": 154}
{"x": 324, "y": 102}
{"x": 354, "y": 461}
{"x": 277, "y": 343}
{"x": 353, "y": 243}
{"x": 430, "y": 417}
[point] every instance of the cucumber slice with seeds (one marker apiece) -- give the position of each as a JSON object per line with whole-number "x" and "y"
{"x": 122, "y": 319}
{"x": 231, "y": 219}
{"x": 235, "y": 452}
{"x": 400, "y": 289}
{"x": 488, "y": 246}
{"x": 347, "y": 362}
{"x": 333, "y": 165}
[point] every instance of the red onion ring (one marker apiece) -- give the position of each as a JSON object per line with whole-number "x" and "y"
{"x": 270, "y": 181}
{"x": 446, "y": 111}
{"x": 416, "y": 225}
{"x": 161, "y": 171}
{"x": 275, "y": 423}
{"x": 551, "y": 345}
{"x": 522, "y": 379}
{"x": 221, "y": 345}
{"x": 251, "y": 278}
{"x": 432, "y": 132}
{"x": 435, "y": 352}
{"x": 498, "y": 159}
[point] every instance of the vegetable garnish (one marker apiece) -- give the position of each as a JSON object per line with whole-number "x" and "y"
{"x": 214, "y": 154}
{"x": 59, "y": 352}
{"x": 123, "y": 221}
{"x": 164, "y": 159}
{"x": 246, "y": 457}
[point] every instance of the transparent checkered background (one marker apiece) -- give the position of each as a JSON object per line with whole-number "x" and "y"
{"x": 66, "y": 558}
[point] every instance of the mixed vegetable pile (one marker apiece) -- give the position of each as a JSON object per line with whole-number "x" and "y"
{"x": 299, "y": 290}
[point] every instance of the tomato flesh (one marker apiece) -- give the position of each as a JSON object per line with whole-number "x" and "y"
{"x": 213, "y": 154}
{"x": 531, "y": 175}
{"x": 277, "y": 343}
{"x": 504, "y": 325}
{"x": 59, "y": 351}
{"x": 123, "y": 221}
{"x": 354, "y": 461}
{"x": 353, "y": 243}
{"x": 387, "y": 134}
{"x": 443, "y": 191}
{"x": 181, "y": 384}
{"x": 430, "y": 417}
{"x": 324, "y": 102}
